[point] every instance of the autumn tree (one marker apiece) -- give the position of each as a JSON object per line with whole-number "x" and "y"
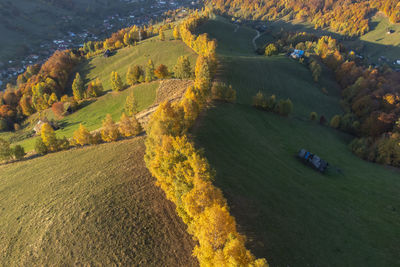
{"x": 182, "y": 69}
{"x": 203, "y": 76}
{"x": 129, "y": 126}
{"x": 161, "y": 72}
{"x": 335, "y": 122}
{"x": 48, "y": 136}
{"x": 313, "y": 116}
{"x": 133, "y": 75}
{"x": 95, "y": 89}
{"x": 116, "y": 82}
{"x": 175, "y": 33}
{"x": 131, "y": 106}
{"x": 109, "y": 131}
{"x": 78, "y": 87}
{"x": 223, "y": 92}
{"x": 150, "y": 71}
{"x": 271, "y": 50}
{"x": 82, "y": 136}
{"x": 162, "y": 34}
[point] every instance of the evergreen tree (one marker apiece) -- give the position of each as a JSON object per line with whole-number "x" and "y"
{"x": 150, "y": 71}
{"x": 5, "y": 150}
{"x": 182, "y": 69}
{"x": 116, "y": 82}
{"x": 131, "y": 106}
{"x": 77, "y": 87}
{"x": 109, "y": 131}
{"x": 18, "y": 152}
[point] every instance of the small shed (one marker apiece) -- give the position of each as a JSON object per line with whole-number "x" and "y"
{"x": 39, "y": 125}
{"x": 107, "y": 53}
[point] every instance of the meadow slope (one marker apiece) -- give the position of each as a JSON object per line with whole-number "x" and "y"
{"x": 293, "y": 215}
{"x": 96, "y": 205}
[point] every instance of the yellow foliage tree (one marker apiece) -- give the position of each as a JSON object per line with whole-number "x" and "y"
{"x": 109, "y": 131}
{"x": 49, "y": 137}
{"x": 129, "y": 126}
{"x": 82, "y": 136}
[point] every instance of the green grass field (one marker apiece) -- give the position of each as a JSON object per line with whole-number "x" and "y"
{"x": 161, "y": 52}
{"x": 293, "y": 215}
{"x": 92, "y": 115}
{"x": 89, "y": 207}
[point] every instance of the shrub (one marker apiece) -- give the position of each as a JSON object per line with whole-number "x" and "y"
{"x": 18, "y": 152}
{"x": 222, "y": 92}
{"x": 270, "y": 103}
{"x": 313, "y": 116}
{"x": 3, "y": 125}
{"x": 40, "y": 147}
{"x": 109, "y": 131}
{"x": 96, "y": 138}
{"x": 5, "y": 150}
{"x": 271, "y": 50}
{"x": 335, "y": 121}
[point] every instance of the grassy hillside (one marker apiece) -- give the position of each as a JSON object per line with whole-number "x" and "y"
{"x": 377, "y": 42}
{"x": 293, "y": 215}
{"x": 105, "y": 211}
{"x": 161, "y": 52}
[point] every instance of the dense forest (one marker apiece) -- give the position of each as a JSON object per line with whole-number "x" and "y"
{"x": 344, "y": 16}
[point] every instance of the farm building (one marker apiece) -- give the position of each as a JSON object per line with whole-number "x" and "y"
{"x": 297, "y": 54}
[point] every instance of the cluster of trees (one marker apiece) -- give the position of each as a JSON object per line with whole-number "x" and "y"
{"x": 370, "y": 97}
{"x": 110, "y": 131}
{"x": 344, "y": 16}
{"x": 271, "y": 104}
{"x": 125, "y": 37}
{"x": 8, "y": 153}
{"x": 186, "y": 177}
{"x": 37, "y": 88}
{"x": 94, "y": 89}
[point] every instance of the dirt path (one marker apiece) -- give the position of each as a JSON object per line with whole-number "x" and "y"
{"x": 255, "y": 39}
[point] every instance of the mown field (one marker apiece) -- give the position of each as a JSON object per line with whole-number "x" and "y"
{"x": 92, "y": 114}
{"x": 91, "y": 206}
{"x": 293, "y": 215}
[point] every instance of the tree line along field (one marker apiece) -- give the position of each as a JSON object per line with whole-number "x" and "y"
{"x": 91, "y": 206}
{"x": 92, "y": 114}
{"x": 293, "y": 215}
